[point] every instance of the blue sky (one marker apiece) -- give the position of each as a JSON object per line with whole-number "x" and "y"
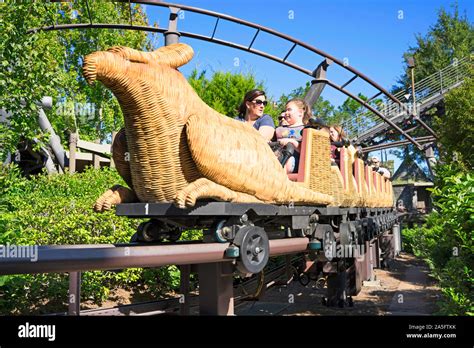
{"x": 371, "y": 35}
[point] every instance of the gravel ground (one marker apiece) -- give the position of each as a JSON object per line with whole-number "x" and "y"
{"x": 404, "y": 289}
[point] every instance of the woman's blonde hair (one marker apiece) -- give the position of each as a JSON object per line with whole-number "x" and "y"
{"x": 338, "y": 128}
{"x": 302, "y": 105}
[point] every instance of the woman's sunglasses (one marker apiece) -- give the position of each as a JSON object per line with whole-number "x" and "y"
{"x": 260, "y": 102}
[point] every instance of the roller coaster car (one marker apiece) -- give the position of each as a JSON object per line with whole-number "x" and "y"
{"x": 363, "y": 216}
{"x": 205, "y": 170}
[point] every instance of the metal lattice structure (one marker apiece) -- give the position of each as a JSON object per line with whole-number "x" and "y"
{"x": 428, "y": 93}
{"x": 372, "y": 121}
{"x": 317, "y": 73}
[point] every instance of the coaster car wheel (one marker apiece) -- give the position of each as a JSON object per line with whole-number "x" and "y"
{"x": 304, "y": 279}
{"x": 254, "y": 249}
{"x": 154, "y": 230}
{"x": 145, "y": 232}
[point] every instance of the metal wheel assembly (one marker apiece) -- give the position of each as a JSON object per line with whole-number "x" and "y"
{"x": 254, "y": 249}
{"x": 220, "y": 232}
{"x": 304, "y": 279}
{"x": 145, "y": 232}
{"x": 346, "y": 235}
{"x": 329, "y": 244}
{"x": 154, "y": 231}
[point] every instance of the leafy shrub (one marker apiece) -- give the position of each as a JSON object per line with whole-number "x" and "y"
{"x": 58, "y": 210}
{"x": 445, "y": 241}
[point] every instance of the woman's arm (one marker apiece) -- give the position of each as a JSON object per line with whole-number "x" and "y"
{"x": 267, "y": 132}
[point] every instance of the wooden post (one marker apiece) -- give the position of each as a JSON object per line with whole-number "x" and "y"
{"x": 74, "y": 303}
{"x": 72, "y": 151}
{"x": 184, "y": 289}
{"x": 112, "y": 163}
{"x": 216, "y": 292}
{"x": 96, "y": 158}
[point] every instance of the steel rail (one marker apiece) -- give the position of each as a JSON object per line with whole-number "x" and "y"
{"x": 375, "y": 111}
{"x": 245, "y": 23}
{"x": 76, "y": 258}
{"x": 182, "y": 33}
{"x": 427, "y": 89}
{"x": 384, "y": 146}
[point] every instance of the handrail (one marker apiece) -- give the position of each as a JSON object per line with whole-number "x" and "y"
{"x": 77, "y": 258}
{"x": 438, "y": 83}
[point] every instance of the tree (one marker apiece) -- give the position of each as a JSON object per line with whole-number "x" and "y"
{"x": 452, "y": 37}
{"x": 456, "y": 127}
{"x": 28, "y": 71}
{"x": 49, "y": 63}
{"x": 224, "y": 91}
{"x": 103, "y": 114}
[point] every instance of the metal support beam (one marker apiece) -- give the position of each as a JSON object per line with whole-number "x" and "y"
{"x": 321, "y": 71}
{"x": 216, "y": 291}
{"x": 430, "y": 158}
{"x": 74, "y": 300}
{"x": 350, "y": 81}
{"x": 215, "y": 28}
{"x": 54, "y": 140}
{"x": 88, "y": 12}
{"x": 374, "y": 96}
{"x": 317, "y": 86}
{"x": 396, "y": 144}
{"x": 172, "y": 35}
{"x": 184, "y": 289}
{"x": 397, "y": 239}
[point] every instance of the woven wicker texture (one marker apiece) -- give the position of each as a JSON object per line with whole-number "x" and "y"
{"x": 119, "y": 154}
{"x": 180, "y": 149}
{"x": 320, "y": 179}
{"x": 370, "y": 186}
{"x": 351, "y": 182}
{"x": 115, "y": 195}
{"x": 363, "y": 184}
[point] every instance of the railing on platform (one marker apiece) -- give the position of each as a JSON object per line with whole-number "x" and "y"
{"x": 428, "y": 90}
{"x": 210, "y": 257}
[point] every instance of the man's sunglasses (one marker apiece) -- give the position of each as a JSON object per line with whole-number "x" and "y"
{"x": 260, "y": 102}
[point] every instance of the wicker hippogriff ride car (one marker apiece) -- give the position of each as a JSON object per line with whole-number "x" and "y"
{"x": 175, "y": 149}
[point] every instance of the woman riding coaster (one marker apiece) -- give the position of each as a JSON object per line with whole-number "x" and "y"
{"x": 251, "y": 112}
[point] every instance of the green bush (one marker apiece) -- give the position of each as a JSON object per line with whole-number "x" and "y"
{"x": 445, "y": 241}
{"x": 58, "y": 210}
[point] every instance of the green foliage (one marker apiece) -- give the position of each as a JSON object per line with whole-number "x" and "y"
{"x": 50, "y": 62}
{"x": 456, "y": 127}
{"x": 105, "y": 116}
{"x": 223, "y": 91}
{"x": 452, "y": 37}
{"x": 28, "y": 70}
{"x": 446, "y": 240}
{"x": 58, "y": 210}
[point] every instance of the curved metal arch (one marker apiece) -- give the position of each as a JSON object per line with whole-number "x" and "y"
{"x": 321, "y": 78}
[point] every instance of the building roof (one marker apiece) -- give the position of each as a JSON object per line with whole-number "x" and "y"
{"x": 410, "y": 173}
